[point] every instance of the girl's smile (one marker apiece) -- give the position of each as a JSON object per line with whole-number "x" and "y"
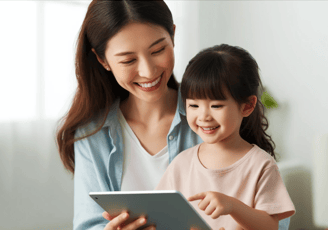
{"x": 215, "y": 121}
{"x": 209, "y": 130}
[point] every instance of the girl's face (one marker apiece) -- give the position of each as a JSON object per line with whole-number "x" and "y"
{"x": 216, "y": 121}
{"x": 141, "y": 58}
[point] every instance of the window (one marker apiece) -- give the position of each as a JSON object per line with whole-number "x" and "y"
{"x": 37, "y": 58}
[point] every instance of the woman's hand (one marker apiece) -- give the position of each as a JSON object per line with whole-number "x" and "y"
{"x": 214, "y": 204}
{"x": 117, "y": 222}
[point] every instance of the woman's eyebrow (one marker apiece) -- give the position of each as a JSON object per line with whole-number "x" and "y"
{"x": 129, "y": 52}
{"x": 156, "y": 42}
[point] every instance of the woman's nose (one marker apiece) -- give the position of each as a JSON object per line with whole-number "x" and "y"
{"x": 147, "y": 68}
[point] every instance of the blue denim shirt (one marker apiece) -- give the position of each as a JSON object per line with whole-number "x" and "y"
{"x": 99, "y": 163}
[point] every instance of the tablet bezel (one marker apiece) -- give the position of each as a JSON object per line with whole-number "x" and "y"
{"x": 176, "y": 209}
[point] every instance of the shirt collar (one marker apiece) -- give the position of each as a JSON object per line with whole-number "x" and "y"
{"x": 112, "y": 115}
{"x": 181, "y": 106}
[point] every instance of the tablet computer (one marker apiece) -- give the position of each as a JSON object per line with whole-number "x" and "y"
{"x": 167, "y": 209}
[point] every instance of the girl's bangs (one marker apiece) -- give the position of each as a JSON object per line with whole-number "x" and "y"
{"x": 204, "y": 80}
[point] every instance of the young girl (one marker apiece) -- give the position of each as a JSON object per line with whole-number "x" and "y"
{"x": 230, "y": 178}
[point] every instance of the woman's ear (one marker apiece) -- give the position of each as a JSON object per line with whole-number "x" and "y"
{"x": 103, "y": 63}
{"x": 249, "y": 106}
{"x": 174, "y": 26}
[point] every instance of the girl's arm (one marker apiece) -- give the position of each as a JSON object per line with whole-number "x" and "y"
{"x": 216, "y": 204}
{"x": 251, "y": 218}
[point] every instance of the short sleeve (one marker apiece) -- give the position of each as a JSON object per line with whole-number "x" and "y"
{"x": 272, "y": 195}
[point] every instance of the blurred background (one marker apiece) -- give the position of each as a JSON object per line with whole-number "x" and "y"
{"x": 289, "y": 40}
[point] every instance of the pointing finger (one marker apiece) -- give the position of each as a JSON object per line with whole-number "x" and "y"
{"x": 197, "y": 196}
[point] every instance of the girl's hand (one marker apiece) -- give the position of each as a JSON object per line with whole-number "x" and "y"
{"x": 214, "y": 204}
{"x": 117, "y": 222}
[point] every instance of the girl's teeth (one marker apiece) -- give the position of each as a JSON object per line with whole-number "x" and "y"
{"x": 209, "y": 128}
{"x": 148, "y": 85}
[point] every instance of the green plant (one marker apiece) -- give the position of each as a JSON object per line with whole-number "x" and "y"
{"x": 268, "y": 101}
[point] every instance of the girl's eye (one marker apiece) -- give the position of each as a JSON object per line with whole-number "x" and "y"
{"x": 158, "y": 51}
{"x": 128, "y": 62}
{"x": 193, "y": 106}
{"x": 217, "y": 106}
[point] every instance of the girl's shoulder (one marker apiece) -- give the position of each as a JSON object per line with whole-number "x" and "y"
{"x": 261, "y": 157}
{"x": 185, "y": 157}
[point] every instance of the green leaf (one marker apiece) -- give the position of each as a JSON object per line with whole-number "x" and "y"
{"x": 268, "y": 101}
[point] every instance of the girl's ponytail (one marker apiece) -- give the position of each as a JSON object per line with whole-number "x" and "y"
{"x": 253, "y": 130}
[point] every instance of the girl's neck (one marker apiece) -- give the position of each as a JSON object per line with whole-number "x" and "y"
{"x": 223, "y": 154}
{"x": 138, "y": 110}
{"x": 231, "y": 146}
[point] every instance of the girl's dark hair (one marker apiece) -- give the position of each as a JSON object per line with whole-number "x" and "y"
{"x": 97, "y": 88}
{"x": 229, "y": 67}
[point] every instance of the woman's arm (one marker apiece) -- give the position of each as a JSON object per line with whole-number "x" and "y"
{"x": 87, "y": 213}
{"x": 91, "y": 175}
{"x": 284, "y": 224}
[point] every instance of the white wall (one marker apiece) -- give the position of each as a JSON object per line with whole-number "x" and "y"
{"x": 289, "y": 40}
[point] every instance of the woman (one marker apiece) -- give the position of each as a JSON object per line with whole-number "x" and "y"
{"x": 127, "y": 121}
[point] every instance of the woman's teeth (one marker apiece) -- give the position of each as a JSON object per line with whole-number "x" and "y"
{"x": 148, "y": 85}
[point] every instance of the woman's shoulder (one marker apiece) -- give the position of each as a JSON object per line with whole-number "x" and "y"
{"x": 105, "y": 117}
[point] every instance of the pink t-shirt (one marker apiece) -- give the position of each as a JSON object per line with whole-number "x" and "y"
{"x": 254, "y": 179}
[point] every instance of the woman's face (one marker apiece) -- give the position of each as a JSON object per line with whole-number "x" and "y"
{"x": 141, "y": 58}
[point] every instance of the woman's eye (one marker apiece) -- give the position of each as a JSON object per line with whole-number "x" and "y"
{"x": 128, "y": 62}
{"x": 217, "y": 106}
{"x": 158, "y": 51}
{"x": 193, "y": 106}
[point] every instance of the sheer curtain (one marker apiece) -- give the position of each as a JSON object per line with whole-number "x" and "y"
{"x": 37, "y": 83}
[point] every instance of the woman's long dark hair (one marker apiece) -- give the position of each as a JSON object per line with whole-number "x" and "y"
{"x": 219, "y": 67}
{"x": 97, "y": 88}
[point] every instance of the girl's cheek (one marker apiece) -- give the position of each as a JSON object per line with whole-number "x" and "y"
{"x": 189, "y": 120}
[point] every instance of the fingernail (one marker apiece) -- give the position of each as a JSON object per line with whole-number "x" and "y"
{"x": 142, "y": 221}
{"x": 125, "y": 215}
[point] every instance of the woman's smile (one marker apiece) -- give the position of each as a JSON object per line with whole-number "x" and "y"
{"x": 150, "y": 47}
{"x": 150, "y": 86}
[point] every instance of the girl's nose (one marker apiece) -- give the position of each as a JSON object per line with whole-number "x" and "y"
{"x": 205, "y": 115}
{"x": 147, "y": 68}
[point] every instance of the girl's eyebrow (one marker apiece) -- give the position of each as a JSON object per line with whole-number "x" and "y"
{"x": 129, "y": 52}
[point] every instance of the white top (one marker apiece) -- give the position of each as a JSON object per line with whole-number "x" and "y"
{"x": 138, "y": 163}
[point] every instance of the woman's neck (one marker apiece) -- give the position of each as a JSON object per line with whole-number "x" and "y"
{"x": 137, "y": 110}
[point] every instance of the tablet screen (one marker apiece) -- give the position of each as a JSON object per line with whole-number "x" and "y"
{"x": 167, "y": 209}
